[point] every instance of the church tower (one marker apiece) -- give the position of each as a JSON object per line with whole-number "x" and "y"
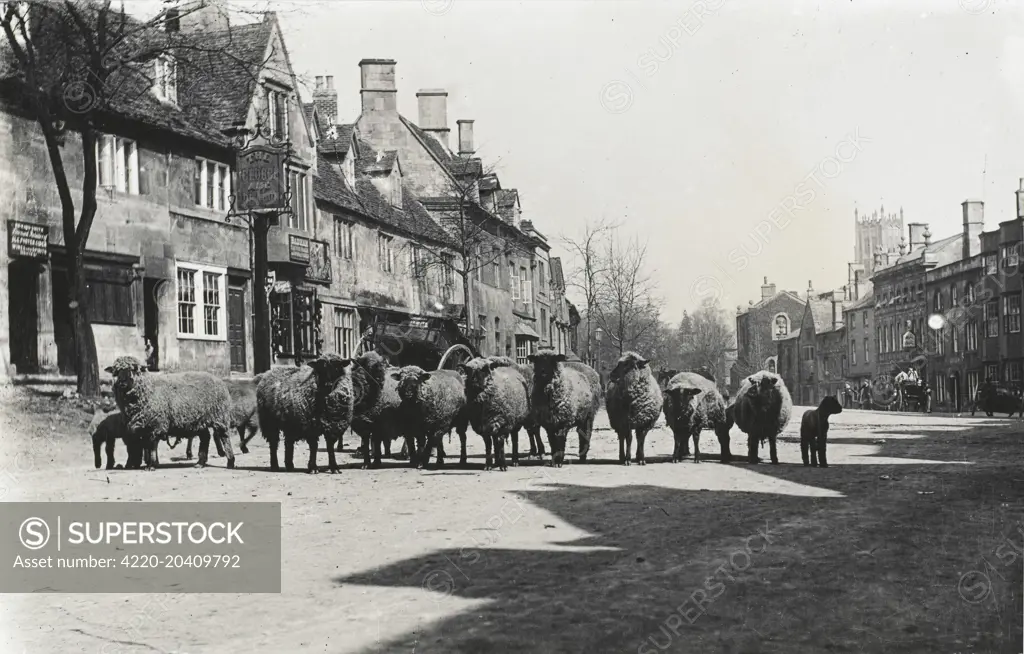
{"x": 879, "y": 230}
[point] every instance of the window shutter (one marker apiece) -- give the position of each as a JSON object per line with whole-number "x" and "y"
{"x": 527, "y": 292}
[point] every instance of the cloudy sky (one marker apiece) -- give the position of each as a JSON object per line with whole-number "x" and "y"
{"x": 701, "y": 124}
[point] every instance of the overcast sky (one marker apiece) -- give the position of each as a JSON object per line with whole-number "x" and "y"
{"x": 696, "y": 129}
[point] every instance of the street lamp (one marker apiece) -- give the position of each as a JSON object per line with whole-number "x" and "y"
{"x": 599, "y": 334}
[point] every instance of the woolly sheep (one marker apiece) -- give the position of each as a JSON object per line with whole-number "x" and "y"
{"x": 380, "y": 423}
{"x": 814, "y": 430}
{"x": 105, "y": 429}
{"x": 293, "y": 400}
{"x": 433, "y": 403}
{"x": 243, "y": 417}
{"x": 763, "y": 408}
{"x": 991, "y": 398}
{"x": 531, "y": 426}
{"x": 693, "y": 404}
{"x": 634, "y": 403}
{"x": 178, "y": 404}
{"x": 497, "y": 404}
{"x": 565, "y": 395}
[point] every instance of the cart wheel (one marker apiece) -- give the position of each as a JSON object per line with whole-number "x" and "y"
{"x": 455, "y": 355}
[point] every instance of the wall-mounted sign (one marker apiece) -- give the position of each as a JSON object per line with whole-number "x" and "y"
{"x": 298, "y": 249}
{"x": 27, "y": 240}
{"x": 909, "y": 340}
{"x": 319, "y": 267}
{"x": 261, "y": 184}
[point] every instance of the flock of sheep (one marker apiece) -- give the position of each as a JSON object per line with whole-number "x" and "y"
{"x": 380, "y": 403}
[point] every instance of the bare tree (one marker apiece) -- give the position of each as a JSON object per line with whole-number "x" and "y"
{"x": 479, "y": 239}
{"x": 73, "y": 65}
{"x": 759, "y": 349}
{"x": 626, "y": 307}
{"x": 588, "y": 267}
{"x": 705, "y": 336}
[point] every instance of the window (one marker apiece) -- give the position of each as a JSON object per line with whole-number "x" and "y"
{"x": 953, "y": 297}
{"x": 956, "y": 339}
{"x": 972, "y": 384}
{"x": 990, "y": 264}
{"x": 108, "y": 288}
{"x": 117, "y": 163}
{"x": 513, "y": 280}
{"x": 991, "y": 372}
{"x": 853, "y": 352}
{"x": 971, "y": 335}
{"x": 344, "y": 332}
{"x": 1013, "y": 371}
{"x": 496, "y": 268}
{"x": 294, "y": 323}
{"x": 299, "y": 187}
{"x": 1011, "y": 313}
{"x": 200, "y": 294}
{"x": 937, "y": 301}
{"x": 867, "y": 352}
{"x": 541, "y": 279}
{"x": 448, "y": 276}
{"x": 940, "y": 388}
{"x": 277, "y": 114}
{"x": 497, "y": 336}
{"x": 344, "y": 238}
{"x": 878, "y": 339}
{"x": 386, "y": 252}
{"x": 969, "y": 293}
{"x": 992, "y": 318}
{"x": 481, "y": 323}
{"x": 544, "y": 322}
{"x": 416, "y": 262}
{"x": 165, "y": 79}
{"x": 940, "y": 341}
{"x": 212, "y": 185}
{"x": 523, "y": 350}
{"x": 864, "y": 319}
{"x": 808, "y": 352}
{"x": 781, "y": 325}
{"x": 1010, "y": 255}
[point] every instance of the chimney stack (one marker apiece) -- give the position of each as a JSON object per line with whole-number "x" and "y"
{"x": 201, "y": 16}
{"x": 377, "y": 80}
{"x": 465, "y": 137}
{"x": 325, "y": 98}
{"x": 767, "y": 290}
{"x": 810, "y": 289}
{"x": 1020, "y": 199}
{"x": 917, "y": 231}
{"x": 974, "y": 224}
{"x": 433, "y": 118}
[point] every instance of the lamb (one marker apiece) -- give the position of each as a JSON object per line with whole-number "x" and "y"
{"x": 497, "y": 402}
{"x": 763, "y": 408}
{"x": 178, "y": 404}
{"x": 634, "y": 402}
{"x": 531, "y": 426}
{"x": 293, "y": 400}
{"x": 433, "y": 403}
{"x": 106, "y": 428}
{"x": 814, "y": 430}
{"x": 693, "y": 404}
{"x": 565, "y": 395}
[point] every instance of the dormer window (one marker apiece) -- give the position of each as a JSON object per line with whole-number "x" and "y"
{"x": 277, "y": 114}
{"x": 165, "y": 79}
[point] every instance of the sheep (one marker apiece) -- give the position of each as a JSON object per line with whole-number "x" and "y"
{"x": 433, "y": 403}
{"x": 380, "y": 423}
{"x": 497, "y": 403}
{"x": 178, "y": 404}
{"x": 106, "y": 428}
{"x": 665, "y": 376}
{"x": 763, "y": 409}
{"x": 531, "y": 426}
{"x": 693, "y": 404}
{"x": 634, "y": 402}
{"x": 814, "y": 430}
{"x": 243, "y": 417}
{"x": 992, "y": 398}
{"x": 293, "y": 400}
{"x": 565, "y": 395}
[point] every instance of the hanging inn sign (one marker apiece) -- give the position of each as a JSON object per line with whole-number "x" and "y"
{"x": 261, "y": 180}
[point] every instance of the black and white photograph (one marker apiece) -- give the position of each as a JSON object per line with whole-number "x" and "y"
{"x": 556, "y": 326}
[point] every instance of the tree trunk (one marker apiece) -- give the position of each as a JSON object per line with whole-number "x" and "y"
{"x": 467, "y": 298}
{"x": 86, "y": 363}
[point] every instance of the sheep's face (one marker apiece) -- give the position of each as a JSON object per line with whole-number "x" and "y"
{"x": 410, "y": 379}
{"x": 329, "y": 368}
{"x": 831, "y": 406}
{"x": 478, "y": 372}
{"x": 374, "y": 365}
{"x": 761, "y": 389}
{"x": 686, "y": 395}
{"x": 501, "y": 362}
{"x": 125, "y": 369}
{"x": 630, "y": 362}
{"x": 545, "y": 365}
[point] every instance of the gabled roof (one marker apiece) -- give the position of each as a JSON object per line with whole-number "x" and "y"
{"x": 821, "y": 314}
{"x": 382, "y": 161}
{"x": 412, "y": 218}
{"x": 439, "y": 152}
{"x": 341, "y": 142}
{"x": 867, "y": 300}
{"x": 331, "y": 187}
{"x": 944, "y": 251}
{"x": 463, "y": 167}
{"x": 489, "y": 182}
{"x": 507, "y": 197}
{"x": 766, "y": 301}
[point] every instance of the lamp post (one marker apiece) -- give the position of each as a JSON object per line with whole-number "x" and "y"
{"x": 598, "y": 335}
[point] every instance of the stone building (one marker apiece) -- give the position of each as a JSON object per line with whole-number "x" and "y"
{"x": 162, "y": 262}
{"x": 758, "y": 328}
{"x": 821, "y": 349}
{"x": 861, "y": 357}
{"x": 789, "y": 361}
{"x": 879, "y": 231}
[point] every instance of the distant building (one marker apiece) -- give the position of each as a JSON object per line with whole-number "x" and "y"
{"x": 877, "y": 232}
{"x": 859, "y": 319}
{"x": 758, "y": 328}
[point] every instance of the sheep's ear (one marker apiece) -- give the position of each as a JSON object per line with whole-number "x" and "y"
{"x": 463, "y": 369}
{"x": 642, "y": 363}
{"x": 532, "y": 358}
{"x": 396, "y": 375}
{"x": 751, "y": 379}
{"x": 424, "y": 376}
{"x": 771, "y": 380}
{"x": 559, "y": 358}
{"x": 110, "y": 369}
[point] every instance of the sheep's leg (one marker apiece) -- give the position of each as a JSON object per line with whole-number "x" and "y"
{"x": 723, "y": 440}
{"x": 242, "y": 440}
{"x": 805, "y": 445}
{"x": 152, "y": 457}
{"x": 365, "y": 446}
{"x": 515, "y": 449}
{"x": 273, "y": 436}
{"x": 533, "y": 443}
{"x": 109, "y": 447}
{"x": 332, "y": 462}
{"x": 461, "y": 429}
{"x": 487, "y": 447}
{"x": 134, "y": 446}
{"x": 752, "y": 448}
{"x": 375, "y": 442}
{"x": 221, "y": 436}
{"x": 440, "y": 449}
{"x": 623, "y": 456}
{"x": 188, "y": 449}
{"x": 557, "y": 441}
{"x": 771, "y": 446}
{"x": 204, "y": 447}
{"x": 289, "y": 451}
{"x": 820, "y": 446}
{"x": 387, "y": 446}
{"x": 314, "y": 442}
{"x": 641, "y": 435}
{"x": 409, "y": 447}
{"x": 584, "y": 431}
{"x": 677, "y": 447}
{"x": 422, "y": 451}
{"x": 218, "y": 445}
{"x": 499, "y": 451}
{"x": 696, "y": 445}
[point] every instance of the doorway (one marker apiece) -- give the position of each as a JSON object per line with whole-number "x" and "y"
{"x": 954, "y": 391}
{"x": 151, "y": 320}
{"x": 236, "y": 327}
{"x": 23, "y": 315}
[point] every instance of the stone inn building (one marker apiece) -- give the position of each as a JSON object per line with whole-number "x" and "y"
{"x": 170, "y": 275}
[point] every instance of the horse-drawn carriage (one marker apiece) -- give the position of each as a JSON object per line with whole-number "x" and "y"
{"x": 911, "y": 395}
{"x": 430, "y": 343}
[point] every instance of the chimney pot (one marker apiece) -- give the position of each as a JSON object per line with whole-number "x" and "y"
{"x": 319, "y": 82}
{"x": 330, "y": 82}
{"x": 377, "y": 90}
{"x": 433, "y": 113}
{"x": 974, "y": 224}
{"x": 465, "y": 137}
{"x": 325, "y": 99}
